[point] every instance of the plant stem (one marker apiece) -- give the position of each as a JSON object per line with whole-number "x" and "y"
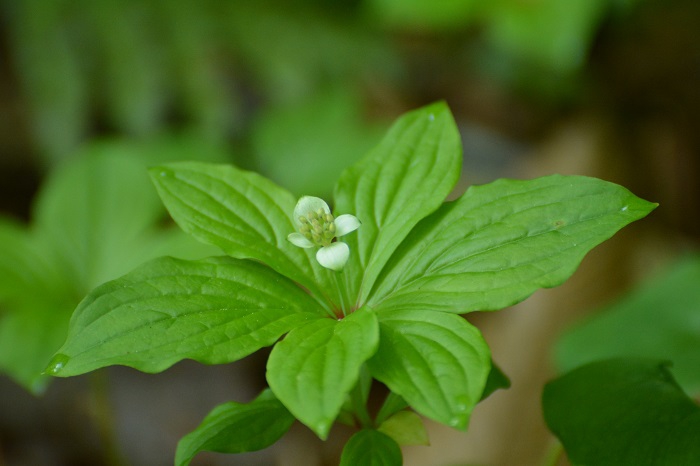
{"x": 392, "y": 405}
{"x": 359, "y": 406}
{"x": 346, "y": 282}
{"x": 104, "y": 418}
{"x": 553, "y": 454}
{"x": 341, "y": 293}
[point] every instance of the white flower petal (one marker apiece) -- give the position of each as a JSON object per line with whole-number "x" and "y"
{"x": 309, "y": 204}
{"x": 345, "y": 224}
{"x": 297, "y": 239}
{"x": 333, "y": 256}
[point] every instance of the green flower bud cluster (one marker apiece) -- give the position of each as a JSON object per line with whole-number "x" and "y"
{"x": 318, "y": 227}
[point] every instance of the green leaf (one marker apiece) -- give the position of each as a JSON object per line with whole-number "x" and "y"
{"x": 392, "y": 405}
{"x": 92, "y": 212}
{"x": 24, "y": 261}
{"x": 314, "y": 368}
{"x": 623, "y": 411}
{"x": 436, "y": 361}
{"x": 194, "y": 72}
{"x": 551, "y": 33}
{"x": 658, "y": 319}
{"x": 133, "y": 102}
{"x": 95, "y": 219}
{"x": 293, "y": 144}
{"x": 495, "y": 381}
{"x": 237, "y": 428}
{"x": 214, "y": 310}
{"x": 371, "y": 448}
{"x": 30, "y": 333}
{"x": 403, "y": 179}
{"x": 243, "y": 213}
{"x": 406, "y": 428}
{"x": 501, "y": 242}
{"x": 52, "y": 76}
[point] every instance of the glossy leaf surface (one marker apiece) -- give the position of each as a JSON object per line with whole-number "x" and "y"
{"x": 502, "y": 241}
{"x": 236, "y": 428}
{"x": 403, "y": 179}
{"x": 214, "y": 310}
{"x": 436, "y": 361}
{"x": 94, "y": 219}
{"x": 243, "y": 213}
{"x": 314, "y": 368}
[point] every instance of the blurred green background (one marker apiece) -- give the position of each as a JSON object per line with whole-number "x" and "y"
{"x": 297, "y": 90}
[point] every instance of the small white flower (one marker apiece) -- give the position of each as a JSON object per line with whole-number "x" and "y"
{"x": 318, "y": 227}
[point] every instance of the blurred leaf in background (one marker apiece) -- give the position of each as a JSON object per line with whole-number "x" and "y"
{"x": 289, "y": 51}
{"x": 535, "y": 46}
{"x": 135, "y": 68}
{"x": 660, "y": 319}
{"x": 432, "y": 15}
{"x": 130, "y": 68}
{"x": 553, "y": 33}
{"x": 623, "y": 412}
{"x": 305, "y": 146}
{"x": 51, "y": 78}
{"x": 94, "y": 219}
{"x": 120, "y": 54}
{"x": 633, "y": 365}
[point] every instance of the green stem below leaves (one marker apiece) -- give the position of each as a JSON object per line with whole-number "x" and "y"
{"x": 104, "y": 418}
{"x": 393, "y": 404}
{"x": 341, "y": 293}
{"x": 358, "y": 397}
{"x": 554, "y": 454}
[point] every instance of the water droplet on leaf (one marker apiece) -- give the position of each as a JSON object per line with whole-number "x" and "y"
{"x": 57, "y": 364}
{"x": 165, "y": 172}
{"x": 462, "y": 404}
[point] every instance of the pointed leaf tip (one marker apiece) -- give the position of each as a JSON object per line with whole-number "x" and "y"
{"x": 403, "y": 179}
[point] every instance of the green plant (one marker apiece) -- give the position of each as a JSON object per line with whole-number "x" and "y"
{"x": 630, "y": 371}
{"x": 391, "y": 313}
{"x": 93, "y": 220}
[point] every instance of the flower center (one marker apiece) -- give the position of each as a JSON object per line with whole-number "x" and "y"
{"x": 318, "y": 227}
